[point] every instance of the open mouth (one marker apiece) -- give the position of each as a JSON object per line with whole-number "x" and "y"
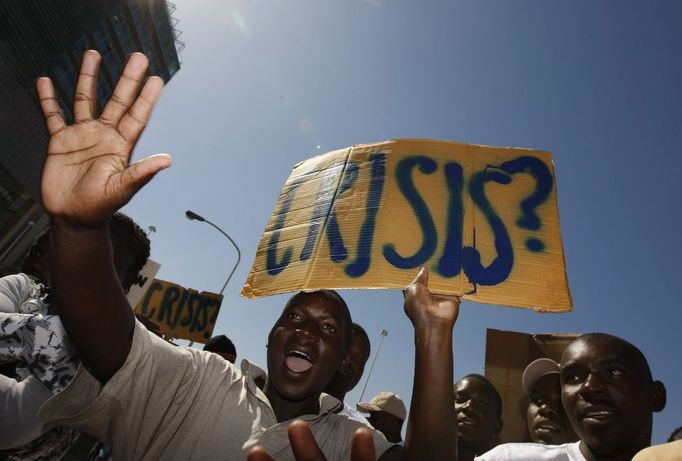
{"x": 598, "y": 415}
{"x": 467, "y": 422}
{"x": 298, "y": 362}
{"x": 546, "y": 428}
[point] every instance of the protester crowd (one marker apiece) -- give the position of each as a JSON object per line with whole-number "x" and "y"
{"x": 82, "y": 378}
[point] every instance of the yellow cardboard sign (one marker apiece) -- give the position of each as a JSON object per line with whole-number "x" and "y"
{"x": 507, "y": 354}
{"x": 483, "y": 219}
{"x": 181, "y": 312}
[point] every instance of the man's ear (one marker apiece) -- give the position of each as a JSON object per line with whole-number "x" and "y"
{"x": 500, "y": 425}
{"x": 658, "y": 396}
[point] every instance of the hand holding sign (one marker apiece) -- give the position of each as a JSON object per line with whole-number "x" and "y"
{"x": 427, "y": 309}
{"x": 306, "y": 449}
{"x": 483, "y": 219}
{"x": 87, "y": 176}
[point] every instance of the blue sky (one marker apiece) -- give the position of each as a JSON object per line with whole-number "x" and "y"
{"x": 263, "y": 84}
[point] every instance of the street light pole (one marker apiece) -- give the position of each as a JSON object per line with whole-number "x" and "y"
{"x": 382, "y": 334}
{"x": 192, "y": 216}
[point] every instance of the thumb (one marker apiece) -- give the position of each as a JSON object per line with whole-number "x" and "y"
{"x": 422, "y": 277}
{"x": 141, "y": 172}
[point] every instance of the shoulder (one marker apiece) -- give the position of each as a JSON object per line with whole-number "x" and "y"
{"x": 352, "y": 413}
{"x": 527, "y": 451}
{"x": 15, "y": 289}
{"x": 667, "y": 451}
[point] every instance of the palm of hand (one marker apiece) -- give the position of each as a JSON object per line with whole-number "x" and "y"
{"x": 86, "y": 175}
{"x": 83, "y": 172}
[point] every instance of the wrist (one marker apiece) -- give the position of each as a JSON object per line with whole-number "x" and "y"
{"x": 69, "y": 226}
{"x": 433, "y": 335}
{"x": 77, "y": 238}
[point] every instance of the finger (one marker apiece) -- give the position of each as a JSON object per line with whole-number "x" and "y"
{"x": 140, "y": 173}
{"x": 258, "y": 453}
{"x": 85, "y": 100}
{"x": 422, "y": 277}
{"x": 303, "y": 443}
{"x": 136, "y": 118}
{"x": 126, "y": 89}
{"x": 363, "y": 446}
{"x": 50, "y": 106}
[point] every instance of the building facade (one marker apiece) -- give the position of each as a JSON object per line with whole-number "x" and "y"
{"x": 48, "y": 37}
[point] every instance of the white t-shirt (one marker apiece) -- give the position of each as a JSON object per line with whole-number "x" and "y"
{"x": 177, "y": 403}
{"x": 354, "y": 414}
{"x": 534, "y": 452}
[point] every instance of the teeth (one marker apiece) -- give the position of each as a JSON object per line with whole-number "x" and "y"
{"x": 300, "y": 354}
{"x": 597, "y": 414}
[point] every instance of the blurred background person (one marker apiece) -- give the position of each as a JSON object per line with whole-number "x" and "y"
{"x": 478, "y": 406}
{"x": 386, "y": 414}
{"x": 546, "y": 418}
{"x": 223, "y": 346}
{"x": 350, "y": 372}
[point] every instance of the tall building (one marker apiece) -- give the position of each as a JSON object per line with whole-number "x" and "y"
{"x": 48, "y": 37}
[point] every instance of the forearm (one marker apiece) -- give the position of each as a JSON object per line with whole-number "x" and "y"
{"x": 431, "y": 428}
{"x": 91, "y": 301}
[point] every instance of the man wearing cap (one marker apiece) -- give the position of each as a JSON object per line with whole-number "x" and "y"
{"x": 386, "y": 414}
{"x": 546, "y": 418}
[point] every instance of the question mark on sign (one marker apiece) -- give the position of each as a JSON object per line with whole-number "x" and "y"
{"x": 214, "y": 317}
{"x": 544, "y": 182}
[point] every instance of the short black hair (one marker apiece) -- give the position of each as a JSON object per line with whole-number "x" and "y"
{"x": 493, "y": 391}
{"x": 676, "y": 435}
{"x": 628, "y": 346}
{"x": 361, "y": 331}
{"x": 348, "y": 323}
{"x": 222, "y": 344}
{"x": 138, "y": 239}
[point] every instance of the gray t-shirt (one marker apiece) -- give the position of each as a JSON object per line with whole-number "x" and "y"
{"x": 533, "y": 452}
{"x": 177, "y": 403}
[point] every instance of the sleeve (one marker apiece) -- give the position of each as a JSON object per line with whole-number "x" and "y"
{"x": 142, "y": 407}
{"x": 14, "y": 289}
{"x": 19, "y": 405}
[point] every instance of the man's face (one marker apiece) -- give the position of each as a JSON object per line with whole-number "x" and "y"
{"x": 477, "y": 421}
{"x": 547, "y": 421}
{"x": 306, "y": 345}
{"x": 352, "y": 366}
{"x": 606, "y": 394}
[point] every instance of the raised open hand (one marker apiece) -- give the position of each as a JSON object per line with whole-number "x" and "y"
{"x": 87, "y": 175}
{"x": 306, "y": 449}
{"x": 427, "y": 309}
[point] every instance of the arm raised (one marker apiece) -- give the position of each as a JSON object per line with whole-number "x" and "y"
{"x": 86, "y": 178}
{"x": 432, "y": 424}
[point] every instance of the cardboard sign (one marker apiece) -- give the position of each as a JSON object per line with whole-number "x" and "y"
{"x": 507, "y": 354}
{"x": 484, "y": 219}
{"x": 181, "y": 312}
{"x": 143, "y": 282}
